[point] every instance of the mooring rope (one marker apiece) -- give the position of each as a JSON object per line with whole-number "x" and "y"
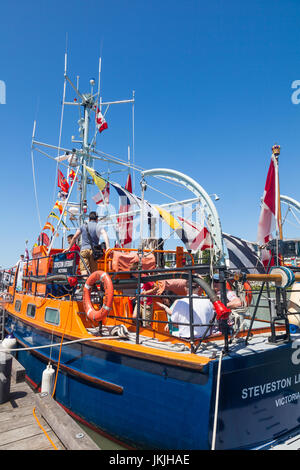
{"x": 29, "y": 348}
{"x": 213, "y": 444}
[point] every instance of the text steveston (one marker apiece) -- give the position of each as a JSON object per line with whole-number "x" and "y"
{"x": 277, "y": 385}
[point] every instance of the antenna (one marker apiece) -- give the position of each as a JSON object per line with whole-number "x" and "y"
{"x": 99, "y": 77}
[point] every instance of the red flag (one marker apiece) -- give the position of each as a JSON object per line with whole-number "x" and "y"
{"x": 100, "y": 121}
{"x": 125, "y": 222}
{"x": 43, "y": 239}
{"x": 72, "y": 175}
{"x": 268, "y": 214}
{"x": 62, "y": 182}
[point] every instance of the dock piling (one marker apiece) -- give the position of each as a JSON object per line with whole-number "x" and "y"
{"x": 5, "y": 376}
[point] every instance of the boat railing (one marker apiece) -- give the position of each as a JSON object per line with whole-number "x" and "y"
{"x": 6, "y": 278}
{"x": 139, "y": 277}
{"x": 42, "y": 272}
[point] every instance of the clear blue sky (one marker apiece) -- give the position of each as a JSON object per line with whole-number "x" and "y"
{"x": 213, "y": 94}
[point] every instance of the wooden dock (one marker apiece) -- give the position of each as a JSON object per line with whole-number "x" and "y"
{"x": 19, "y": 429}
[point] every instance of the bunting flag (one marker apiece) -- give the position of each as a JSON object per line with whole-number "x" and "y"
{"x": 72, "y": 175}
{"x": 125, "y": 222}
{"x": 52, "y": 214}
{"x": 193, "y": 236}
{"x": 124, "y": 194}
{"x": 152, "y": 215}
{"x": 62, "y": 182}
{"x": 242, "y": 255}
{"x": 268, "y": 214}
{"x": 58, "y": 206}
{"x": 98, "y": 180}
{"x": 100, "y": 121}
{"x": 49, "y": 226}
{"x": 168, "y": 218}
{"x": 102, "y": 196}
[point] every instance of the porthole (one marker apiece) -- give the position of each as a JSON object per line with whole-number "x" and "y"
{"x": 30, "y": 312}
{"x": 52, "y": 316}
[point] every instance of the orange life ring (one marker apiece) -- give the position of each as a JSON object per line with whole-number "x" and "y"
{"x": 91, "y": 313}
{"x": 247, "y": 289}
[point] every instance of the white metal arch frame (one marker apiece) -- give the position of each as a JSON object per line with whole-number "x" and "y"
{"x": 213, "y": 219}
{"x": 291, "y": 202}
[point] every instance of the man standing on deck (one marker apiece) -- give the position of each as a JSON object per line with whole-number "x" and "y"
{"x": 89, "y": 234}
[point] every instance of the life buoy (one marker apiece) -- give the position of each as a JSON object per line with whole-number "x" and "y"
{"x": 247, "y": 291}
{"x": 91, "y": 313}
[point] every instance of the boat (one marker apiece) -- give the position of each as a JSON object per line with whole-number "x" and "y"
{"x": 234, "y": 388}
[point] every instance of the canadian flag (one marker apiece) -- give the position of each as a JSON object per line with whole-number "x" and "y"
{"x": 268, "y": 214}
{"x": 100, "y": 121}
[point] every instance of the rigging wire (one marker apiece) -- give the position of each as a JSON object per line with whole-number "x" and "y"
{"x": 133, "y": 166}
{"x": 35, "y": 190}
{"x": 60, "y": 133}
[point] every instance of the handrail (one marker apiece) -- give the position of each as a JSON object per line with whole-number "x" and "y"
{"x": 186, "y": 272}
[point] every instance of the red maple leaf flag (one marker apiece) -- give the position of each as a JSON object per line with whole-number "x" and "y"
{"x": 62, "y": 182}
{"x": 100, "y": 121}
{"x": 268, "y": 214}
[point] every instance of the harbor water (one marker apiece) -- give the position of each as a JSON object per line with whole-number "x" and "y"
{"x": 103, "y": 442}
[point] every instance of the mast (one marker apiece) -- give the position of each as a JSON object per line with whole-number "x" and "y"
{"x": 85, "y": 158}
{"x": 276, "y": 153}
{"x": 86, "y": 153}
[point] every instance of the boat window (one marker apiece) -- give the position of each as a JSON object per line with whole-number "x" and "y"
{"x": 18, "y": 304}
{"x": 30, "y": 312}
{"x": 52, "y": 316}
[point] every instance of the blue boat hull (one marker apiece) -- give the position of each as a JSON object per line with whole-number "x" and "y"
{"x": 151, "y": 405}
{"x": 260, "y": 397}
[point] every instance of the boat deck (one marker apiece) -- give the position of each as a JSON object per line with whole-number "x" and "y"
{"x": 293, "y": 443}
{"x": 210, "y": 350}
